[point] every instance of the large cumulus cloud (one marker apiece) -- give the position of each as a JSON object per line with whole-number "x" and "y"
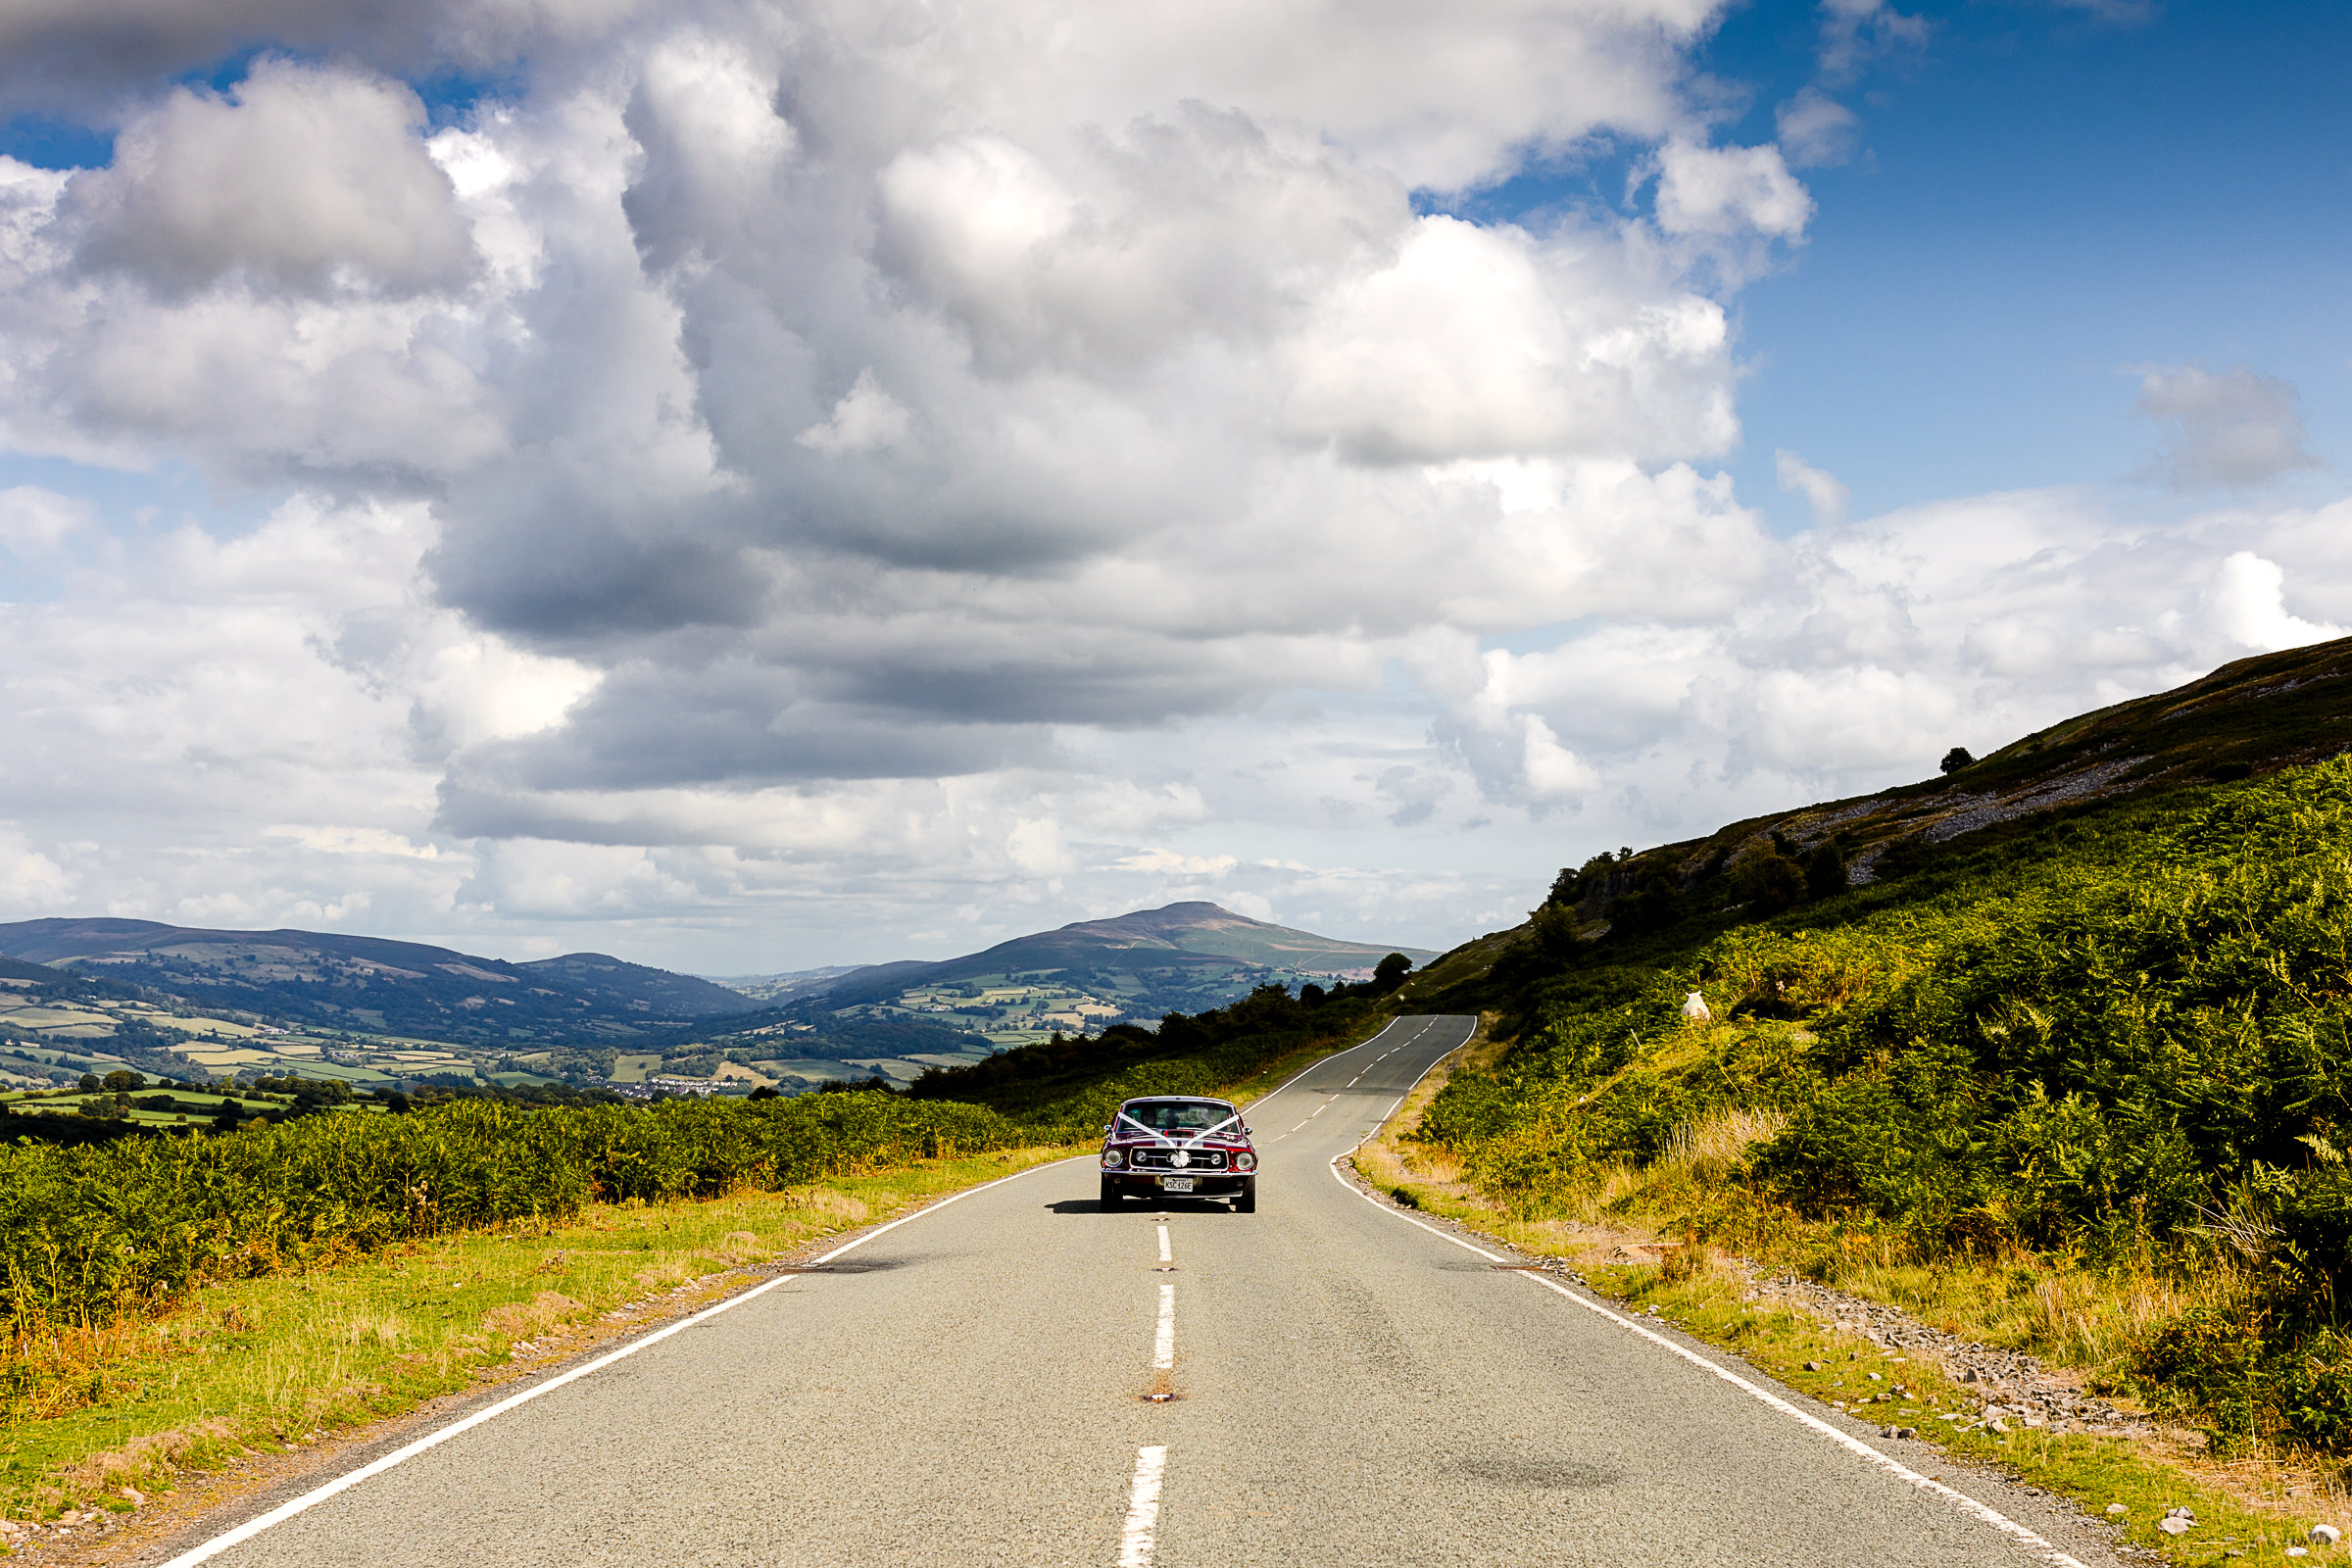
{"x": 856, "y": 462}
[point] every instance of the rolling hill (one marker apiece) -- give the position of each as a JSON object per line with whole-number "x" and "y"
{"x": 1180, "y": 945}
{"x": 902, "y": 1019}
{"x": 375, "y": 985}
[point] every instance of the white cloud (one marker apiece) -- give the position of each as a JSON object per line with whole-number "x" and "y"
{"x": 1728, "y": 190}
{"x": 1816, "y": 131}
{"x": 2233, "y": 428}
{"x": 305, "y": 178}
{"x": 1856, "y": 33}
{"x": 1820, "y": 488}
{"x": 2248, "y": 603}
{"x": 1167, "y": 862}
{"x": 34, "y": 522}
{"x": 31, "y": 884}
{"x": 866, "y": 418}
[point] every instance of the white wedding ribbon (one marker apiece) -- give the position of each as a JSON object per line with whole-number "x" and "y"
{"x": 1170, "y": 1139}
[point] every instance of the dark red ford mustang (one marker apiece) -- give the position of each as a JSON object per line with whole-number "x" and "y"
{"x": 1175, "y": 1145}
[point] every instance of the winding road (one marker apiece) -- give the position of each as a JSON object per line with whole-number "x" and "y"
{"x": 972, "y": 1386}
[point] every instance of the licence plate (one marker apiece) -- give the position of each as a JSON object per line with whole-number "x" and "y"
{"x": 1175, "y": 1183}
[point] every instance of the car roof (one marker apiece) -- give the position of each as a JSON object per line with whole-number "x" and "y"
{"x": 1175, "y": 1100}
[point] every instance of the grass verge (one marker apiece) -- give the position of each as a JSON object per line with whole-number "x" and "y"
{"x": 100, "y": 1423}
{"x": 2250, "y": 1507}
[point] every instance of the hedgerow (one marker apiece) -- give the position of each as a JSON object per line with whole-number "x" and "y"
{"x": 94, "y": 1234}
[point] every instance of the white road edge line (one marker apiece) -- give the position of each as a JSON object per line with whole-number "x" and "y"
{"x": 1164, "y": 1256}
{"x": 1164, "y": 1340}
{"x": 433, "y": 1440}
{"x": 1362, "y": 1045}
{"x": 1141, "y": 1529}
{"x": 1967, "y": 1504}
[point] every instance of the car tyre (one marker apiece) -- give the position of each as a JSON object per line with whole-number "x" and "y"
{"x": 1246, "y": 1201}
{"x": 1112, "y": 1197}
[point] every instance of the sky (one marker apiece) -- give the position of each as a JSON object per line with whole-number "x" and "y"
{"x": 744, "y": 485}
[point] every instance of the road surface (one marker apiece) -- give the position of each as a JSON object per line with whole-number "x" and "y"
{"x": 971, "y": 1386}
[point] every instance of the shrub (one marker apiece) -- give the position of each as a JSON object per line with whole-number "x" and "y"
{"x": 2124, "y": 1036}
{"x": 93, "y": 1234}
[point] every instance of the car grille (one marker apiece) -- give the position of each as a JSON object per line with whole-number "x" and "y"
{"x": 1165, "y": 1159}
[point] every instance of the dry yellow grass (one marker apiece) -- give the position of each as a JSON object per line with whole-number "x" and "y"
{"x": 272, "y": 1362}
{"x": 1712, "y": 1146}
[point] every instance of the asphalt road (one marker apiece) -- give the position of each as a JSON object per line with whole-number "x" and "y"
{"x": 969, "y": 1387}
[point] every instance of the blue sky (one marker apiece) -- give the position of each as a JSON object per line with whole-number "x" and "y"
{"x": 2043, "y": 202}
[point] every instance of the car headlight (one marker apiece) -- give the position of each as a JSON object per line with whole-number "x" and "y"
{"x": 1113, "y": 1159}
{"x": 1244, "y": 1162}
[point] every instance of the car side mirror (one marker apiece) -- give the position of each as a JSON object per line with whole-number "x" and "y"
{"x": 1106, "y": 1126}
{"x": 1246, "y": 1129}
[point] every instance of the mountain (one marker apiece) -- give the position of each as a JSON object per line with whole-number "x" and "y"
{"x": 372, "y": 985}
{"x": 901, "y": 1020}
{"x": 1193, "y": 941}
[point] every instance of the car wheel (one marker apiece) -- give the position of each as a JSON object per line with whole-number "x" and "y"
{"x": 1245, "y": 1200}
{"x": 1112, "y": 1198}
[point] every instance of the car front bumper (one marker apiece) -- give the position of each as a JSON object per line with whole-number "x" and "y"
{"x": 1205, "y": 1184}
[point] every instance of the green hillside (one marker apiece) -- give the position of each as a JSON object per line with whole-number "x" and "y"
{"x": 2091, "y": 1009}
{"x": 372, "y": 985}
{"x": 1181, "y": 958}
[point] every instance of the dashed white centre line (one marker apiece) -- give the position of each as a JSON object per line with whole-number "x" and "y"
{"x": 1301, "y": 1124}
{"x": 1357, "y": 1079}
{"x": 1163, "y": 1342}
{"x": 1141, "y": 1529}
{"x": 1165, "y": 1255}
{"x": 1313, "y": 1115}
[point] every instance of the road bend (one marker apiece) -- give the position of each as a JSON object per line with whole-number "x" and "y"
{"x": 1336, "y": 1383}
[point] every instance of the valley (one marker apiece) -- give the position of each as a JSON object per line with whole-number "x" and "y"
{"x": 177, "y": 1002}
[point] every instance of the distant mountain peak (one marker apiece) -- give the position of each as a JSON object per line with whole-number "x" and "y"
{"x": 1193, "y": 935}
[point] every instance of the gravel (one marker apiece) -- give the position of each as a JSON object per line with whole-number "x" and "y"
{"x": 2012, "y": 1388}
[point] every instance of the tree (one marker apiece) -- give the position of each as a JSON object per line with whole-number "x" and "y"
{"x": 123, "y": 1080}
{"x": 1824, "y": 872}
{"x": 1654, "y": 904}
{"x": 1574, "y": 885}
{"x": 227, "y": 1117}
{"x": 1390, "y": 972}
{"x": 1958, "y": 758}
{"x": 1555, "y": 931}
{"x": 89, "y": 1083}
{"x": 1767, "y": 883}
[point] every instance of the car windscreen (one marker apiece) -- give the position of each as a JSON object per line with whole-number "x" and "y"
{"x": 1178, "y": 1116}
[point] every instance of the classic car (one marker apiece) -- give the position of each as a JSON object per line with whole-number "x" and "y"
{"x": 1179, "y": 1145}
